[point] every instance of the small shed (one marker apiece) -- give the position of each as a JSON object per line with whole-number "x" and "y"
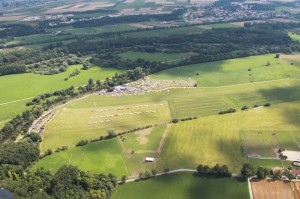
{"x": 149, "y": 159}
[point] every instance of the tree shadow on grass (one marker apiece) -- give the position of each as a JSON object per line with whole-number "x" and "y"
{"x": 282, "y": 95}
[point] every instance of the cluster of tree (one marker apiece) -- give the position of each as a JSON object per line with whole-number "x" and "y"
{"x": 17, "y": 30}
{"x": 22, "y": 153}
{"x": 217, "y": 170}
{"x": 183, "y": 119}
{"x": 261, "y": 173}
{"x": 147, "y": 174}
{"x": 20, "y": 123}
{"x": 211, "y": 45}
{"x": 110, "y": 83}
{"x": 17, "y": 61}
{"x": 73, "y": 74}
{"x": 59, "y": 96}
{"x": 231, "y": 110}
{"x": 54, "y": 66}
{"x": 69, "y": 182}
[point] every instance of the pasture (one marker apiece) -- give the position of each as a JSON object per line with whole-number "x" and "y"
{"x": 223, "y": 25}
{"x": 22, "y": 86}
{"x": 80, "y": 120}
{"x": 215, "y": 139}
{"x": 266, "y": 143}
{"x": 71, "y": 125}
{"x": 236, "y": 71}
{"x": 183, "y": 186}
{"x": 97, "y": 157}
{"x": 144, "y": 140}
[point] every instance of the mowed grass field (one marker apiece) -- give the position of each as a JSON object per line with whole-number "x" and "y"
{"x": 270, "y": 163}
{"x": 147, "y": 139}
{"x": 223, "y": 25}
{"x": 21, "y": 86}
{"x": 236, "y": 71}
{"x": 183, "y": 186}
{"x": 75, "y": 121}
{"x": 215, "y": 139}
{"x": 97, "y": 157}
{"x": 71, "y": 124}
{"x": 266, "y": 143}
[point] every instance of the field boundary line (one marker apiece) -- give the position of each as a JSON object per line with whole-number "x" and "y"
{"x": 162, "y": 142}
{"x": 5, "y": 103}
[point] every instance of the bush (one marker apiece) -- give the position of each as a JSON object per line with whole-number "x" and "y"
{"x": 82, "y": 143}
{"x": 174, "y": 121}
{"x": 231, "y": 110}
{"x": 245, "y": 108}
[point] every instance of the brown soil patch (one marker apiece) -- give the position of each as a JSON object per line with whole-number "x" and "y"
{"x": 142, "y": 136}
{"x": 139, "y": 25}
{"x": 275, "y": 189}
{"x": 79, "y": 7}
{"x": 296, "y": 189}
{"x": 12, "y": 18}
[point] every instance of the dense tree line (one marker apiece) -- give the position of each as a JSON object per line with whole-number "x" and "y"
{"x": 69, "y": 182}
{"x": 217, "y": 171}
{"x": 17, "y": 30}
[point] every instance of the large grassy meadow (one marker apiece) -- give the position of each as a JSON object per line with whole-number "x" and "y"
{"x": 75, "y": 121}
{"x": 215, "y": 139}
{"x": 98, "y": 157}
{"x": 71, "y": 125}
{"x": 22, "y": 86}
{"x": 266, "y": 143}
{"x": 183, "y": 186}
{"x": 236, "y": 71}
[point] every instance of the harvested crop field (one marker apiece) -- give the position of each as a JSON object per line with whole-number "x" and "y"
{"x": 274, "y": 189}
{"x": 81, "y": 7}
{"x": 296, "y": 189}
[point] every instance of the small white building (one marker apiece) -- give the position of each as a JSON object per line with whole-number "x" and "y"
{"x": 149, "y": 159}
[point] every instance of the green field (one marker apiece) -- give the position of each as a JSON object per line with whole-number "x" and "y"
{"x": 266, "y": 163}
{"x": 294, "y": 36}
{"x": 98, "y": 157}
{"x": 74, "y": 118}
{"x": 147, "y": 139}
{"x": 236, "y": 71}
{"x": 22, "y": 86}
{"x": 215, "y": 139}
{"x": 162, "y": 57}
{"x": 183, "y": 186}
{"x": 223, "y": 25}
{"x": 267, "y": 143}
{"x": 72, "y": 124}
